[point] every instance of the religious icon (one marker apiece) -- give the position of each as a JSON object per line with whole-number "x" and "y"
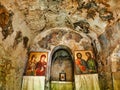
{"x": 62, "y": 76}
{"x": 37, "y": 64}
{"x": 85, "y": 62}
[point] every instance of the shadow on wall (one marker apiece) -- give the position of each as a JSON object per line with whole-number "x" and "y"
{"x": 62, "y": 69}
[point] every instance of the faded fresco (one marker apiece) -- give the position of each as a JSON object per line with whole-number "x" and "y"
{"x": 85, "y": 62}
{"x": 37, "y": 64}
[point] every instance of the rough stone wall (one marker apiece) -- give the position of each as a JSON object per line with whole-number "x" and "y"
{"x": 40, "y": 25}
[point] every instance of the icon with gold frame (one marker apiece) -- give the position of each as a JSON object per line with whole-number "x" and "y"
{"x": 85, "y": 62}
{"x": 37, "y": 63}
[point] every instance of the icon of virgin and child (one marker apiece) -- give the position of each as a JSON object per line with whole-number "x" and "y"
{"x": 37, "y": 67}
{"x": 85, "y": 66}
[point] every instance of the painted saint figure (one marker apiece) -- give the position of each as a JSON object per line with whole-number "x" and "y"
{"x": 91, "y": 63}
{"x": 81, "y": 65}
{"x": 31, "y": 66}
{"x": 41, "y": 66}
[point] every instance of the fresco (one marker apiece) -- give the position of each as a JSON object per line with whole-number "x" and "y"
{"x": 85, "y": 62}
{"x": 37, "y": 64}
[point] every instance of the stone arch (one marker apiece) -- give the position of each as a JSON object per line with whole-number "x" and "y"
{"x": 62, "y": 52}
{"x": 60, "y": 58}
{"x": 51, "y": 38}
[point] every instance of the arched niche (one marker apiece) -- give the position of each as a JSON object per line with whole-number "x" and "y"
{"x": 61, "y": 65}
{"x": 62, "y": 62}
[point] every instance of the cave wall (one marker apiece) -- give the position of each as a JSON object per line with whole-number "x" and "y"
{"x": 41, "y": 25}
